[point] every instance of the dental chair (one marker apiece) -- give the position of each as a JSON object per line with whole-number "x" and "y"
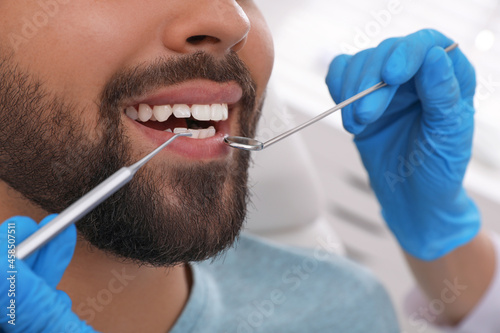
{"x": 287, "y": 202}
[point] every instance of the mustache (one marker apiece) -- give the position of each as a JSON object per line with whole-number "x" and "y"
{"x": 163, "y": 72}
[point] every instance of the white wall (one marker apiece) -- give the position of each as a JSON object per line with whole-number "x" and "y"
{"x": 309, "y": 33}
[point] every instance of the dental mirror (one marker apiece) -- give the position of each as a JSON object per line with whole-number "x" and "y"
{"x": 250, "y": 144}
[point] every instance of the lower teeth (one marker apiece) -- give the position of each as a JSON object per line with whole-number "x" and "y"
{"x": 196, "y": 133}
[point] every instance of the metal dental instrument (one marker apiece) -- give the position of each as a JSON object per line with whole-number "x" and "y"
{"x": 85, "y": 204}
{"x": 244, "y": 143}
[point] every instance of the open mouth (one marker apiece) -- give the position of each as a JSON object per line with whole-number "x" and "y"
{"x": 202, "y": 121}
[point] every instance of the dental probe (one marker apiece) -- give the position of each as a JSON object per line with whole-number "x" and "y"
{"x": 85, "y": 204}
{"x": 244, "y": 143}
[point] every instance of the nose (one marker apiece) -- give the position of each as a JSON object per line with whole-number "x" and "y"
{"x": 213, "y": 26}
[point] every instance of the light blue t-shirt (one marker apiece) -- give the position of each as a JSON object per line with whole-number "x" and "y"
{"x": 259, "y": 287}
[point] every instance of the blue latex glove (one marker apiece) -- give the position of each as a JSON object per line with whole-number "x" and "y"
{"x": 414, "y": 137}
{"x": 39, "y": 307}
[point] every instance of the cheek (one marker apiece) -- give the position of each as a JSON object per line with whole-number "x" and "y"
{"x": 258, "y": 54}
{"x": 80, "y": 48}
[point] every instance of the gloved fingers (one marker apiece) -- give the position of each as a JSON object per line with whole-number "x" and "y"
{"x": 371, "y": 107}
{"x": 335, "y": 76}
{"x": 30, "y": 297}
{"x": 408, "y": 55}
{"x": 439, "y": 90}
{"x": 55, "y": 256}
{"x": 64, "y": 298}
{"x": 349, "y": 84}
{"x": 39, "y": 307}
{"x": 12, "y": 232}
{"x": 465, "y": 73}
{"x": 350, "y": 75}
{"x": 51, "y": 260}
{"x": 15, "y": 230}
{"x": 336, "y": 85}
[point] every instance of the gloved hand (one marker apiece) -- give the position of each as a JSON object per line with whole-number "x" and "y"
{"x": 38, "y": 306}
{"x": 414, "y": 136}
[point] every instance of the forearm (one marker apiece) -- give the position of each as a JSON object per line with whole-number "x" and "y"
{"x": 472, "y": 266}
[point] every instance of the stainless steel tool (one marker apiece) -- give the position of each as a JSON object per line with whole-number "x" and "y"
{"x": 85, "y": 204}
{"x": 244, "y": 143}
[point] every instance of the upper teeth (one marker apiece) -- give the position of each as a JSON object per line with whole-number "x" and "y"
{"x": 161, "y": 113}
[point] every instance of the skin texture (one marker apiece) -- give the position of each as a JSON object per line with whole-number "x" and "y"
{"x": 461, "y": 265}
{"x": 75, "y": 54}
{"x": 72, "y": 67}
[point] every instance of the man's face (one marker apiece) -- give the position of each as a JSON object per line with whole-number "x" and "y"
{"x": 75, "y": 75}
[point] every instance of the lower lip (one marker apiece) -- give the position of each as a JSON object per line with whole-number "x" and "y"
{"x": 198, "y": 149}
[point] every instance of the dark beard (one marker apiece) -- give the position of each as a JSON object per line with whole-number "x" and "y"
{"x": 162, "y": 217}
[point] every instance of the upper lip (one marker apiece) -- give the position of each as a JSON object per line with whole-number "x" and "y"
{"x": 193, "y": 92}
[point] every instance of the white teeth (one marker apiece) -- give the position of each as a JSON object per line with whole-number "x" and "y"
{"x": 168, "y": 130}
{"x": 201, "y": 112}
{"x": 132, "y": 113}
{"x": 207, "y": 133}
{"x": 202, "y": 133}
{"x": 195, "y": 134}
{"x": 145, "y": 112}
{"x": 217, "y": 112}
{"x": 225, "y": 112}
{"x": 182, "y": 111}
{"x": 162, "y": 112}
{"x": 178, "y": 130}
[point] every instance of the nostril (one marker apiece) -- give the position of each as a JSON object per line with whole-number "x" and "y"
{"x": 195, "y": 40}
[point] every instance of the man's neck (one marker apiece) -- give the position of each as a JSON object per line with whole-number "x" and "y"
{"x": 12, "y": 203}
{"x": 122, "y": 297}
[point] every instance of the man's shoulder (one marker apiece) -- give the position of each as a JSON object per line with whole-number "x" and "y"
{"x": 318, "y": 288}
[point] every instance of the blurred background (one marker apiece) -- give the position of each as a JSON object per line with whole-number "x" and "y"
{"x": 311, "y": 189}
